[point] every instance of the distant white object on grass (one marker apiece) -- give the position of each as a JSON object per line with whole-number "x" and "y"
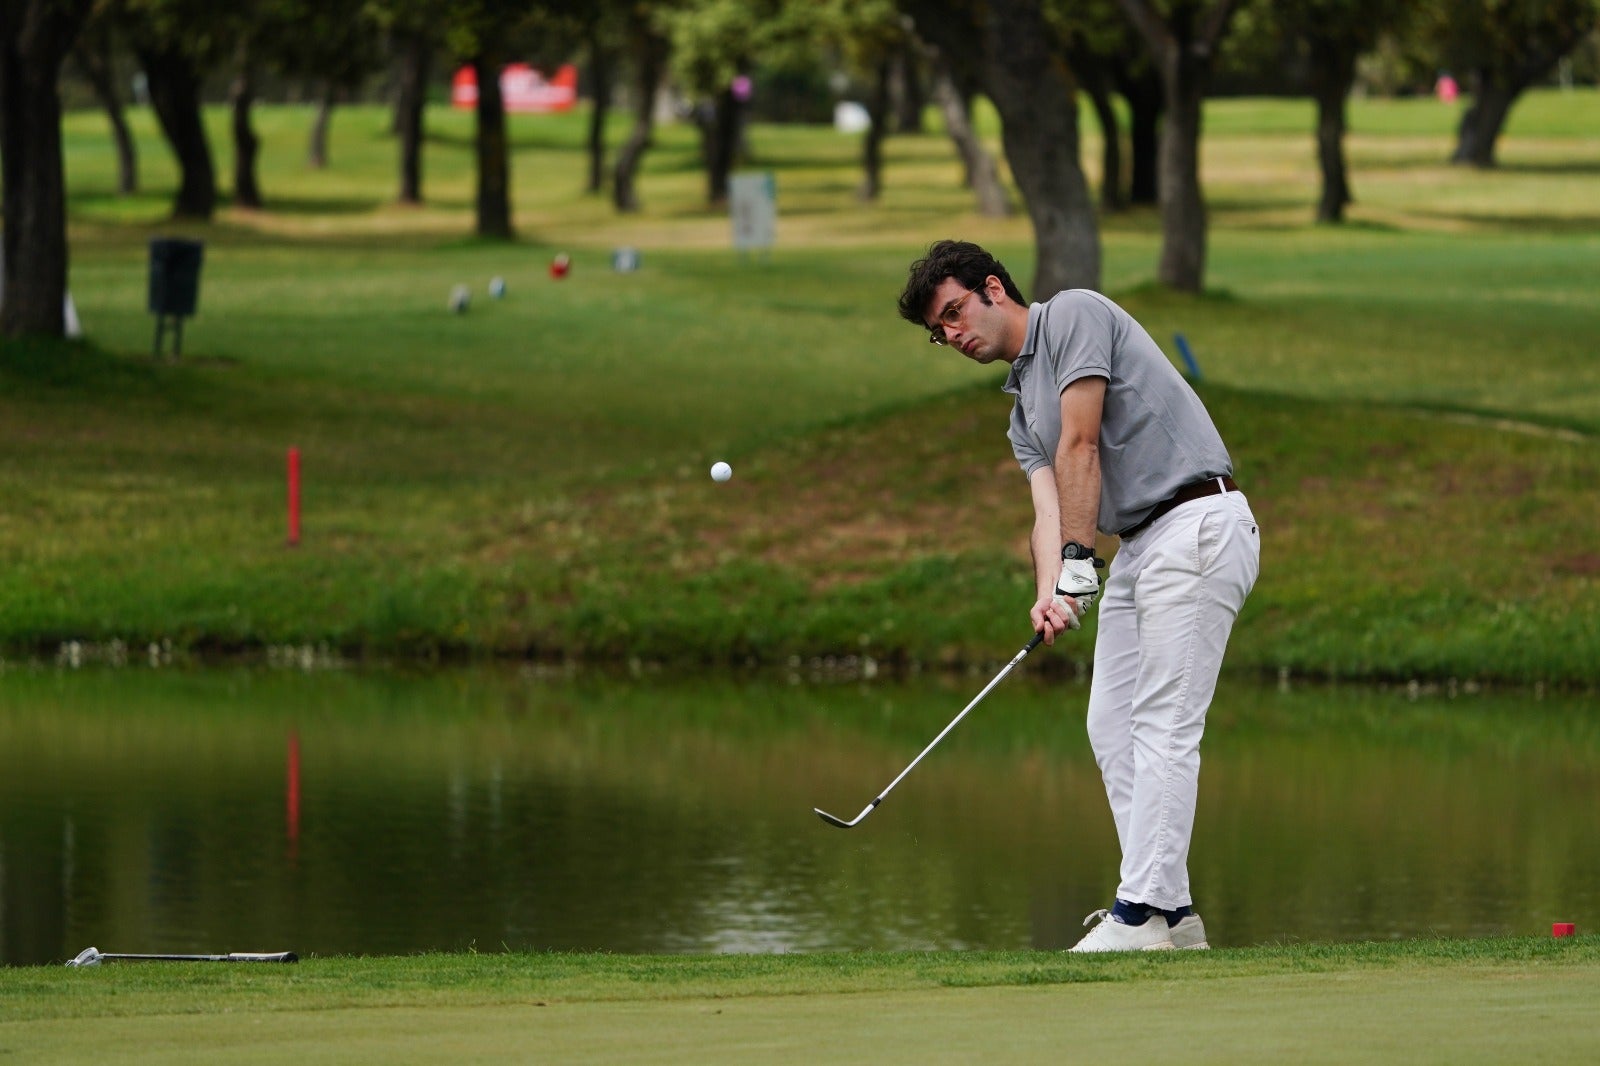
{"x": 851, "y": 117}
{"x": 625, "y": 260}
{"x": 497, "y": 287}
{"x": 460, "y": 298}
{"x": 721, "y": 471}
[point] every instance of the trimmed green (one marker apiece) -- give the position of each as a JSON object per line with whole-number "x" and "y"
{"x": 1523, "y": 1000}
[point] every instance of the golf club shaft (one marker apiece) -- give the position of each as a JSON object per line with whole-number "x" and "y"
{"x": 237, "y": 956}
{"x": 1023, "y": 654}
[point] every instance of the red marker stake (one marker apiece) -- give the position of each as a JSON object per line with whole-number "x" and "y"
{"x": 1563, "y": 929}
{"x": 294, "y": 497}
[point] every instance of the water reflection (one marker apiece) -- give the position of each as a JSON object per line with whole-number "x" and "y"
{"x": 350, "y": 813}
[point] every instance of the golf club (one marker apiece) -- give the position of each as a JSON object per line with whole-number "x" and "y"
{"x": 93, "y": 957}
{"x": 840, "y": 823}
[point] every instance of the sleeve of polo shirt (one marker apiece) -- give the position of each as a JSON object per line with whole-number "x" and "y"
{"x": 1029, "y": 457}
{"x": 1080, "y": 330}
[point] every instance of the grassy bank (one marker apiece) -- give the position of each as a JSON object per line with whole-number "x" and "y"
{"x": 1411, "y": 401}
{"x": 1456, "y": 1001}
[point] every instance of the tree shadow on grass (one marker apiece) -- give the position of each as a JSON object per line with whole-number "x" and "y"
{"x": 42, "y": 368}
{"x": 320, "y": 206}
{"x": 1570, "y": 166}
{"x": 1509, "y": 223}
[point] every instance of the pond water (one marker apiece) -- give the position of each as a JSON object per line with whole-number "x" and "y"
{"x": 352, "y": 812}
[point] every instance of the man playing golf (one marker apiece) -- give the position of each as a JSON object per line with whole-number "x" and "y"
{"x": 1111, "y": 438}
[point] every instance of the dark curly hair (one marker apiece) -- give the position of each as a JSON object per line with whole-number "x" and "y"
{"x": 966, "y": 262}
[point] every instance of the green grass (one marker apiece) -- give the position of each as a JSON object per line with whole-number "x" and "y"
{"x": 1411, "y": 400}
{"x": 1428, "y": 1000}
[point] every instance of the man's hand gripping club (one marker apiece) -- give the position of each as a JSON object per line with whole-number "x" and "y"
{"x": 1076, "y": 589}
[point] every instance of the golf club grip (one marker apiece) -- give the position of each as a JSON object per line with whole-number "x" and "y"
{"x": 1038, "y": 638}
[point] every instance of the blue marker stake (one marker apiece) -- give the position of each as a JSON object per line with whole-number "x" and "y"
{"x": 1188, "y": 357}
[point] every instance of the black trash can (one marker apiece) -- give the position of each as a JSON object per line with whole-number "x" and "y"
{"x": 174, "y": 284}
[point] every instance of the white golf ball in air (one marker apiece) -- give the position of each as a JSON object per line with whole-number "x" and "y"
{"x": 721, "y": 471}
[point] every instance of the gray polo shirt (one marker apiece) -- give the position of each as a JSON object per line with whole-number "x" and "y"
{"x": 1155, "y": 434}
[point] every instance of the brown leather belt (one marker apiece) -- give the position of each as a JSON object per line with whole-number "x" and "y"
{"x": 1196, "y": 490}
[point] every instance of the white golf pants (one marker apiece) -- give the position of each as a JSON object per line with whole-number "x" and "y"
{"x": 1174, "y": 589}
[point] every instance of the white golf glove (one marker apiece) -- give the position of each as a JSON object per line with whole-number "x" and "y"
{"x": 1079, "y": 581}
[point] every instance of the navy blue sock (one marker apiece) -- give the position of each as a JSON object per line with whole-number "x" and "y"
{"x": 1131, "y": 913}
{"x": 1174, "y": 917}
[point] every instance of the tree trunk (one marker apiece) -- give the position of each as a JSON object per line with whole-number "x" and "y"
{"x": 1183, "y": 205}
{"x": 246, "y": 145}
{"x": 1482, "y": 122}
{"x": 719, "y": 140}
{"x": 93, "y": 54}
{"x": 317, "y": 147}
{"x": 1525, "y": 54}
{"x": 1037, "y": 98}
{"x": 910, "y": 98}
{"x": 600, "y": 74}
{"x": 494, "y": 163}
{"x": 415, "y": 51}
{"x": 34, "y": 40}
{"x": 649, "y": 58}
{"x": 1184, "y": 49}
{"x": 1333, "y": 71}
{"x": 872, "y": 139}
{"x": 982, "y": 174}
{"x": 1144, "y": 96}
{"x": 1098, "y": 85}
{"x": 175, "y": 96}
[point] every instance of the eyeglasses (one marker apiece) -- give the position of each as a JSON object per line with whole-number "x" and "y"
{"x": 950, "y": 316}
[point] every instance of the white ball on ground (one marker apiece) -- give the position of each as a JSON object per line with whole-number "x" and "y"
{"x": 497, "y": 287}
{"x": 721, "y": 471}
{"x": 460, "y": 299}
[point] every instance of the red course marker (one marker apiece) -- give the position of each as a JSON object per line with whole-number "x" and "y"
{"x": 1563, "y": 929}
{"x": 294, "y": 497}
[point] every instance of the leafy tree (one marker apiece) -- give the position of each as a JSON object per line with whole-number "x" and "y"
{"x": 648, "y": 50}
{"x": 979, "y": 171}
{"x": 483, "y": 32}
{"x": 94, "y": 52}
{"x": 603, "y": 28}
{"x": 1009, "y": 50}
{"x": 1334, "y": 34}
{"x": 252, "y": 24}
{"x": 1106, "y": 53}
{"x": 871, "y": 38}
{"x": 176, "y": 41}
{"x": 1182, "y": 37}
{"x": 1503, "y": 47}
{"x": 715, "y": 44}
{"x": 414, "y": 29}
{"x": 336, "y": 43}
{"x": 35, "y": 36}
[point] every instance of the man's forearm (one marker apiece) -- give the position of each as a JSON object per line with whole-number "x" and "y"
{"x": 1077, "y": 470}
{"x": 1045, "y": 540}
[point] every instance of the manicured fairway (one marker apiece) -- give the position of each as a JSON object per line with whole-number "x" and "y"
{"x": 503, "y": 483}
{"x": 1486, "y": 1001}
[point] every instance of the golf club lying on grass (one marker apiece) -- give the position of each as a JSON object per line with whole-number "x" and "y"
{"x": 94, "y": 956}
{"x": 840, "y": 823}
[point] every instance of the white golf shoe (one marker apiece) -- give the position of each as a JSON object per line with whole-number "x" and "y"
{"x": 1112, "y": 935}
{"x": 1189, "y": 934}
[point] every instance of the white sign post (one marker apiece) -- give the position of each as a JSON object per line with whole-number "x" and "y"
{"x": 753, "y": 206}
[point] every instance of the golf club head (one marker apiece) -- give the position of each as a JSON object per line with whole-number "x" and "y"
{"x": 840, "y": 823}
{"x": 86, "y": 957}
